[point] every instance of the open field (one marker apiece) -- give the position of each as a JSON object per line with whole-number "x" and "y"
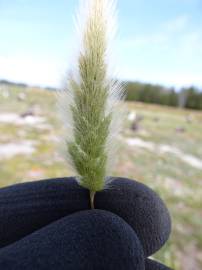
{"x": 163, "y": 150}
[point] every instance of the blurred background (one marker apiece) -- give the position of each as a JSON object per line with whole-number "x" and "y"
{"x": 159, "y": 57}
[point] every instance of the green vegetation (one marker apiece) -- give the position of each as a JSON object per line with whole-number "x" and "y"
{"x": 190, "y": 98}
{"x": 178, "y": 181}
{"x": 90, "y": 102}
{"x": 91, "y": 125}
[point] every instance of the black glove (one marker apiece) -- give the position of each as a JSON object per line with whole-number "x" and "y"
{"x": 38, "y": 229}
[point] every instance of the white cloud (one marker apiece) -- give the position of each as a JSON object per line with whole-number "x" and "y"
{"x": 158, "y": 38}
{"x": 177, "y": 24}
{"x": 31, "y": 70}
{"x": 191, "y": 44}
{"x": 173, "y": 43}
{"x": 164, "y": 77}
{"x": 144, "y": 40}
{"x": 171, "y": 56}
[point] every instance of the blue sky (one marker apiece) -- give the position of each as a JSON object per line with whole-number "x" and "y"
{"x": 158, "y": 41}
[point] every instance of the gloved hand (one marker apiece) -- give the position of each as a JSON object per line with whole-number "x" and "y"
{"x": 48, "y": 225}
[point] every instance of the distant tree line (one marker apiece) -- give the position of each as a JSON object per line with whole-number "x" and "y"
{"x": 24, "y": 85}
{"x": 5, "y": 82}
{"x": 190, "y": 97}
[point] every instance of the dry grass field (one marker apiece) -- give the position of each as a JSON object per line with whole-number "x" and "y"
{"x": 159, "y": 146}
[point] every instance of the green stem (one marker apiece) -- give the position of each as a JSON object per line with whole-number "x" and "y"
{"x": 92, "y": 196}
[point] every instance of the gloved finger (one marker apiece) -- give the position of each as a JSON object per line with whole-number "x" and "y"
{"x": 87, "y": 240}
{"x": 140, "y": 207}
{"x": 27, "y": 207}
{"x": 31, "y": 206}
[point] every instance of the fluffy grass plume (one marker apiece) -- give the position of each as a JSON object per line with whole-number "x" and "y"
{"x": 91, "y": 99}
